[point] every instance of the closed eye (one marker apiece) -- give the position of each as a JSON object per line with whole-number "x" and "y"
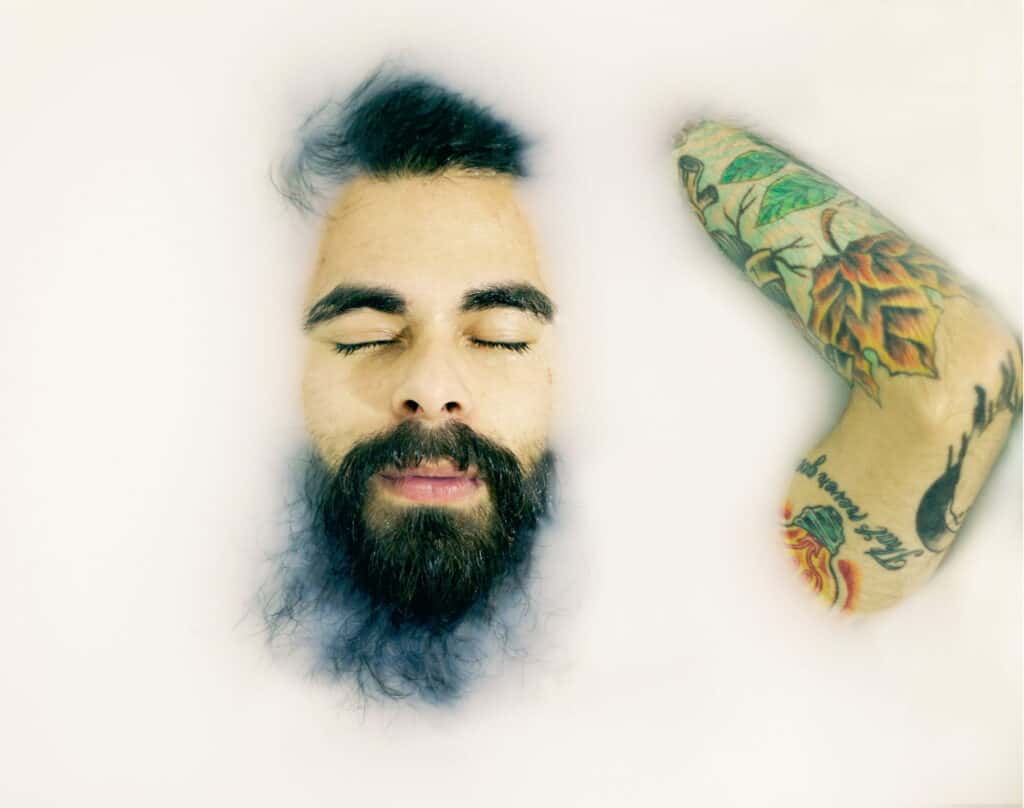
{"x": 518, "y": 347}
{"x": 351, "y": 348}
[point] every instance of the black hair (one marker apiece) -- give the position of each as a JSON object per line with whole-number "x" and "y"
{"x": 397, "y": 124}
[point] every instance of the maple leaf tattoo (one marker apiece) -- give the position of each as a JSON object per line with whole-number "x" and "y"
{"x": 869, "y": 303}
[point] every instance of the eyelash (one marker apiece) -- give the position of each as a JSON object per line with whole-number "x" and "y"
{"x": 346, "y": 349}
{"x": 518, "y": 347}
{"x": 349, "y": 349}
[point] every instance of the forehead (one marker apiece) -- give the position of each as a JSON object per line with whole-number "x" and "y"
{"x": 427, "y": 236}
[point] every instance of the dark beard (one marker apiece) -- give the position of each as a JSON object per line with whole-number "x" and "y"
{"x": 404, "y": 599}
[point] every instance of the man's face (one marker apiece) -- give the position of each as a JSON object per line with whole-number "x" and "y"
{"x": 427, "y": 388}
{"x": 450, "y": 330}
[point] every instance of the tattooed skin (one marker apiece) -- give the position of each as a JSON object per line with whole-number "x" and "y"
{"x": 814, "y": 538}
{"x": 874, "y": 506}
{"x": 888, "y": 550}
{"x": 867, "y": 295}
{"x": 938, "y": 519}
{"x": 830, "y": 487}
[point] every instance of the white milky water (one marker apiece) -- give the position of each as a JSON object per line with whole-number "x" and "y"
{"x": 152, "y": 283}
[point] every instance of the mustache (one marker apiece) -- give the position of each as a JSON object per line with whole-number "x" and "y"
{"x": 411, "y": 444}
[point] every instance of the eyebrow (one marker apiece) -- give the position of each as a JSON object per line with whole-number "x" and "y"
{"x": 344, "y": 297}
{"x": 520, "y": 296}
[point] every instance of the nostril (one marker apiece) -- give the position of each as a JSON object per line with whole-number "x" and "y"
{"x": 410, "y": 406}
{"x": 451, "y": 406}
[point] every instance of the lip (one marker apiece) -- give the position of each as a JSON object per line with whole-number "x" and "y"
{"x": 438, "y": 483}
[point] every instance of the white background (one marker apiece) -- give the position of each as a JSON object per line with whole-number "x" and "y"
{"x": 150, "y": 356}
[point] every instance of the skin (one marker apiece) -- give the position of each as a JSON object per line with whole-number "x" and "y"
{"x": 907, "y": 416}
{"x": 430, "y": 240}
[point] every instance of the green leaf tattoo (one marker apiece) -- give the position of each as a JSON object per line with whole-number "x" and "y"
{"x": 752, "y": 165}
{"x": 824, "y": 523}
{"x": 791, "y": 193}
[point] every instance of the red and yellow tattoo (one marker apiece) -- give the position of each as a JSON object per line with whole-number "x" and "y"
{"x": 813, "y": 539}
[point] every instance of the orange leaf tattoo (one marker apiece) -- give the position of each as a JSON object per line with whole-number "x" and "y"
{"x": 871, "y": 297}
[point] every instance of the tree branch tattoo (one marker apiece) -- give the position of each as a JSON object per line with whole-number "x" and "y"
{"x": 938, "y": 518}
{"x": 871, "y": 304}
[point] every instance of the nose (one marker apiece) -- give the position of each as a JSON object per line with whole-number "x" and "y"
{"x": 431, "y": 388}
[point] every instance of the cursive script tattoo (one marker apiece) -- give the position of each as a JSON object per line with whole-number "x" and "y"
{"x": 830, "y": 487}
{"x": 890, "y": 552}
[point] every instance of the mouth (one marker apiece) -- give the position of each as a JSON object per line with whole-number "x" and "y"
{"x": 434, "y": 483}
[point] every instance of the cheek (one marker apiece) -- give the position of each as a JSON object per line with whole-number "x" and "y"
{"x": 339, "y": 408}
{"x": 514, "y": 405}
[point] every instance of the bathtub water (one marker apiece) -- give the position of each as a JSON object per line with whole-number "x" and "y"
{"x": 151, "y": 365}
